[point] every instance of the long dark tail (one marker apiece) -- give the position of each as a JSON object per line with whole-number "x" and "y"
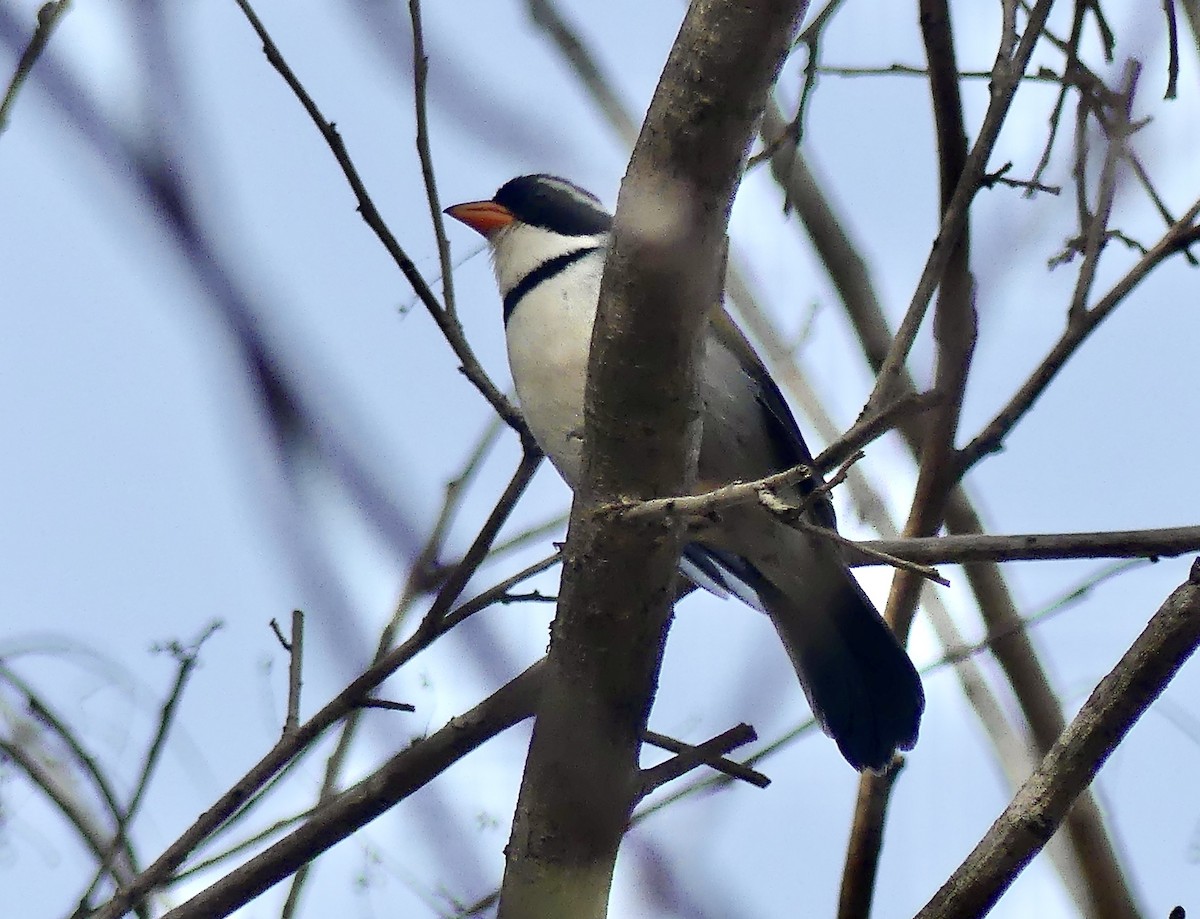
{"x": 861, "y": 685}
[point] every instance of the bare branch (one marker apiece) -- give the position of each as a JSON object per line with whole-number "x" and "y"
{"x": 445, "y": 320}
{"x": 1039, "y": 807}
{"x": 722, "y": 765}
{"x": 1094, "y": 232}
{"x": 47, "y": 18}
{"x": 403, "y": 774}
{"x": 688, "y": 758}
{"x": 295, "y": 672}
{"x": 420, "y": 93}
{"x": 992, "y": 436}
{"x": 981, "y": 547}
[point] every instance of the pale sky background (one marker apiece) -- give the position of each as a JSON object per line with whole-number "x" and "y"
{"x": 143, "y": 495}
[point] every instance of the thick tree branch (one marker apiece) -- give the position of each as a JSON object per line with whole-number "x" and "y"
{"x": 1043, "y": 801}
{"x": 662, "y": 277}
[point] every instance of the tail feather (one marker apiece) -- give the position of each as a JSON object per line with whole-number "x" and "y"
{"x": 863, "y": 689}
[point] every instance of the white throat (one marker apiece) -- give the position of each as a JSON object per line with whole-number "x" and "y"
{"x": 519, "y": 248}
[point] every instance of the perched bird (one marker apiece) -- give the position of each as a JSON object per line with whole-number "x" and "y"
{"x": 548, "y": 241}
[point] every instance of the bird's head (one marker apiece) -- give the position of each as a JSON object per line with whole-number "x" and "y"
{"x": 533, "y": 219}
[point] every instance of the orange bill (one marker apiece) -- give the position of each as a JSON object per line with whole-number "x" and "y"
{"x": 486, "y": 217}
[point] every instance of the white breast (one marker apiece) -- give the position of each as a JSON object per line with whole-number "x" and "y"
{"x": 548, "y": 336}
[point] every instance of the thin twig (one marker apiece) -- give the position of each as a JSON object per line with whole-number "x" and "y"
{"x": 1055, "y": 119}
{"x": 1094, "y": 233}
{"x": 1042, "y": 75}
{"x": 47, "y": 18}
{"x": 957, "y": 550}
{"x": 992, "y": 436}
{"x": 295, "y": 672}
{"x": 242, "y": 845}
{"x": 688, "y": 758}
{"x": 534, "y": 533}
{"x": 187, "y": 657}
{"x": 420, "y": 94}
{"x": 1172, "y": 50}
{"x": 721, "y": 764}
{"x": 279, "y": 636}
{"x": 388, "y": 705}
{"x": 869, "y": 428}
{"x": 446, "y": 322}
{"x": 876, "y": 555}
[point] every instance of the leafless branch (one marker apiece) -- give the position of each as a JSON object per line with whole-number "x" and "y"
{"x": 1039, "y": 807}
{"x": 295, "y": 672}
{"x": 445, "y": 320}
{"x": 47, "y": 18}
{"x": 722, "y": 765}
{"x": 992, "y": 436}
{"x": 981, "y": 547}
{"x": 403, "y": 774}
{"x": 436, "y": 622}
{"x": 1094, "y": 233}
{"x": 688, "y": 758}
{"x": 420, "y": 94}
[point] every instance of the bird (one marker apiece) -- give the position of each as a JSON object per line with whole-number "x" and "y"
{"x": 548, "y": 240}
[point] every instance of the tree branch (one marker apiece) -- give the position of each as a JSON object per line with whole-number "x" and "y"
{"x": 1043, "y": 801}
{"x": 403, "y": 774}
{"x": 47, "y": 18}
{"x": 663, "y": 270}
{"x": 444, "y": 317}
{"x": 954, "y": 330}
{"x": 437, "y": 621}
{"x": 980, "y": 547}
{"x": 992, "y": 436}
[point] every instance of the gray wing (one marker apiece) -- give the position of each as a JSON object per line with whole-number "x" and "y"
{"x": 749, "y": 431}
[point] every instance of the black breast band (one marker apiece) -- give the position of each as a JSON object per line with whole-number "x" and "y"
{"x": 542, "y": 272}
